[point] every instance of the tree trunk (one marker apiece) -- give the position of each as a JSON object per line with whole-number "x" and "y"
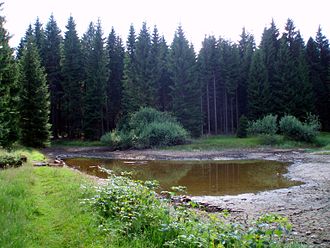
{"x": 215, "y": 106}
{"x": 208, "y": 109}
{"x": 226, "y": 113}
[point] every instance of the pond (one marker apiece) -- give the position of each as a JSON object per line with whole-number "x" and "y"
{"x": 213, "y": 178}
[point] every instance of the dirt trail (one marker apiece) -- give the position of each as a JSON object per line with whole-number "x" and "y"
{"x": 307, "y": 206}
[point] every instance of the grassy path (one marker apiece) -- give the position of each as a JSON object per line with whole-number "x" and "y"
{"x": 40, "y": 207}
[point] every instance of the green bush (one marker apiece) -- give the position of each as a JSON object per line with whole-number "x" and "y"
{"x": 147, "y": 128}
{"x": 242, "y": 127}
{"x": 9, "y": 160}
{"x": 294, "y": 129}
{"x": 148, "y": 115}
{"x": 117, "y": 139}
{"x": 162, "y": 134}
{"x": 265, "y": 126}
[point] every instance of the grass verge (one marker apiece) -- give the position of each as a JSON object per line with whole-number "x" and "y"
{"x": 41, "y": 207}
{"x": 75, "y": 143}
{"x": 221, "y": 142}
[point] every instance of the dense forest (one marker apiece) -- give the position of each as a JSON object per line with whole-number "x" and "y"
{"x": 67, "y": 86}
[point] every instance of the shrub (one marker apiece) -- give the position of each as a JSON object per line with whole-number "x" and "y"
{"x": 147, "y": 128}
{"x": 267, "y": 125}
{"x": 9, "y": 160}
{"x": 294, "y": 129}
{"x": 162, "y": 134}
{"x": 242, "y": 127}
{"x": 147, "y": 115}
{"x": 117, "y": 139}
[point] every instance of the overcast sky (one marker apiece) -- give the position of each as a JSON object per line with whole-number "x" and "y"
{"x": 198, "y": 17}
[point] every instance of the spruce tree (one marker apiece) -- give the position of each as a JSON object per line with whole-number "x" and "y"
{"x": 323, "y": 50}
{"x": 229, "y": 69}
{"x": 33, "y": 98}
{"x": 185, "y": 90}
{"x": 72, "y": 72}
{"x": 96, "y": 73}
{"x": 39, "y": 35}
{"x": 130, "y": 75}
{"x": 285, "y": 82}
{"x": 314, "y": 69}
{"x": 23, "y": 42}
{"x": 208, "y": 75}
{"x": 164, "y": 83}
{"x": 145, "y": 90}
{"x": 270, "y": 45}
{"x": 8, "y": 90}
{"x": 246, "y": 48}
{"x": 52, "y": 62}
{"x": 114, "y": 88}
{"x": 258, "y": 89}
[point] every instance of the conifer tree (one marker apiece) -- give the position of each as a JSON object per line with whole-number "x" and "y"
{"x": 130, "y": 75}
{"x": 323, "y": 50}
{"x": 164, "y": 83}
{"x": 33, "y": 98}
{"x": 185, "y": 90}
{"x": 8, "y": 90}
{"x": 72, "y": 72}
{"x": 145, "y": 91}
{"x": 269, "y": 45}
{"x": 314, "y": 69}
{"x": 52, "y": 62}
{"x": 23, "y": 42}
{"x": 246, "y": 48}
{"x": 208, "y": 75}
{"x": 114, "y": 88}
{"x": 285, "y": 82}
{"x": 96, "y": 73}
{"x": 258, "y": 88}
{"x": 229, "y": 70}
{"x": 39, "y": 35}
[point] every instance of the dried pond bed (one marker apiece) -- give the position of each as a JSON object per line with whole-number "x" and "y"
{"x": 307, "y": 206}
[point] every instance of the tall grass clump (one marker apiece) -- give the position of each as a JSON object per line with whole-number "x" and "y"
{"x": 147, "y": 128}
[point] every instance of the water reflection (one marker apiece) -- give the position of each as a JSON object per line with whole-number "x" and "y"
{"x": 200, "y": 177}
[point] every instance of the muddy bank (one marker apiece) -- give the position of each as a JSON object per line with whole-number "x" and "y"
{"x": 307, "y": 206}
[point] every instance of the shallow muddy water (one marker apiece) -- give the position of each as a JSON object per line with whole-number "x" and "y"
{"x": 212, "y": 178}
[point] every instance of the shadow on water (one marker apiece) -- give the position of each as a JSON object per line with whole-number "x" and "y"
{"x": 211, "y": 178}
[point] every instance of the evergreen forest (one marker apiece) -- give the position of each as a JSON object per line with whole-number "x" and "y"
{"x": 56, "y": 84}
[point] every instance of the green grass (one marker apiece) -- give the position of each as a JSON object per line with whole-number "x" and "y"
{"x": 41, "y": 207}
{"x": 221, "y": 142}
{"x": 76, "y": 143}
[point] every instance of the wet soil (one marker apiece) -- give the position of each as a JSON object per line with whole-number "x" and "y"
{"x": 307, "y": 206}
